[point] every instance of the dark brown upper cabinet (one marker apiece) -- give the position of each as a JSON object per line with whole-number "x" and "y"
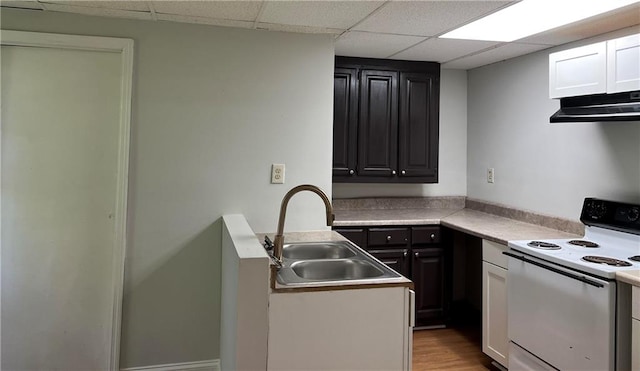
{"x": 386, "y": 115}
{"x": 378, "y": 130}
{"x": 345, "y": 120}
{"x": 418, "y": 129}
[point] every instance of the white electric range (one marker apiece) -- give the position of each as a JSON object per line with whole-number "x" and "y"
{"x": 566, "y": 311}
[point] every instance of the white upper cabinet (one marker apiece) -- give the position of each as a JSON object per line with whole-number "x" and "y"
{"x": 578, "y": 71}
{"x": 623, "y": 61}
{"x": 606, "y": 67}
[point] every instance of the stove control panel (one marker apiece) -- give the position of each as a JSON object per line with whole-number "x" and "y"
{"x": 611, "y": 214}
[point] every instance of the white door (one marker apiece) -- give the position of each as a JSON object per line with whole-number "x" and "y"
{"x": 495, "y": 341}
{"x": 64, "y": 160}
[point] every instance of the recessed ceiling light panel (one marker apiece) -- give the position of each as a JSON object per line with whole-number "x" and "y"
{"x": 529, "y": 17}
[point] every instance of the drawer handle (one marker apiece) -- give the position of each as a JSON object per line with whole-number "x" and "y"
{"x": 389, "y": 238}
{"x": 405, "y": 254}
{"x": 417, "y": 255}
{"x": 393, "y": 172}
{"x": 433, "y": 236}
{"x": 553, "y": 269}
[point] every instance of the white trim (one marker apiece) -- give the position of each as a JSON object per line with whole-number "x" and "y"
{"x": 125, "y": 48}
{"x": 64, "y": 41}
{"x": 0, "y": 219}
{"x": 208, "y": 365}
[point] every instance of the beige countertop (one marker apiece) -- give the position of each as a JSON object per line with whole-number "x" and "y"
{"x": 369, "y": 217}
{"x": 632, "y": 277}
{"x": 483, "y": 225}
{"x": 499, "y": 229}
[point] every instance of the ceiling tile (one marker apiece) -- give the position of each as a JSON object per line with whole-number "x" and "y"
{"x": 103, "y": 12}
{"x": 139, "y": 6}
{"x": 300, "y": 29}
{"x": 500, "y": 53}
{"x": 426, "y": 18}
{"x": 373, "y": 45}
{"x": 233, "y": 10}
{"x": 443, "y": 50}
{"x": 204, "y": 20}
{"x": 327, "y": 14}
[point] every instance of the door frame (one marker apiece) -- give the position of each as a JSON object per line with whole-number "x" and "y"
{"x": 125, "y": 48}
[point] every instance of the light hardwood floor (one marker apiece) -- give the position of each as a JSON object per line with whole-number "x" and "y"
{"x": 458, "y": 348}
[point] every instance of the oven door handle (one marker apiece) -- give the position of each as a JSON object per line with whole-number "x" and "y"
{"x": 555, "y": 270}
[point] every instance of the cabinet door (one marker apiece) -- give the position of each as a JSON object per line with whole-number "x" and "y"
{"x": 355, "y": 235}
{"x": 345, "y": 121}
{"x": 397, "y": 260}
{"x": 578, "y": 71}
{"x": 495, "y": 341}
{"x": 418, "y": 126}
{"x": 378, "y": 127}
{"x": 623, "y": 64}
{"x": 428, "y": 277}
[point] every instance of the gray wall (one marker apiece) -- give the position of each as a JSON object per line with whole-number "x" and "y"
{"x": 548, "y": 168}
{"x": 213, "y": 108}
{"x": 452, "y": 150}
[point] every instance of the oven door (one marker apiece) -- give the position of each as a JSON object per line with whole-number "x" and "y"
{"x": 561, "y": 316}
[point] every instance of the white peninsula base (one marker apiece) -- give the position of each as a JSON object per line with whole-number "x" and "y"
{"x": 363, "y": 329}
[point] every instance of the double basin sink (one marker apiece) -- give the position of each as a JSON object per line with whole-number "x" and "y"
{"x": 333, "y": 262}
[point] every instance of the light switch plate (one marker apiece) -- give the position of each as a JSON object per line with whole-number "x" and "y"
{"x": 491, "y": 175}
{"x": 277, "y": 174}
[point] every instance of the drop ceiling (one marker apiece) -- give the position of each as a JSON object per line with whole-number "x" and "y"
{"x": 376, "y": 29}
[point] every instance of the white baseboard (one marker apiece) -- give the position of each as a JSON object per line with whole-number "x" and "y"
{"x": 208, "y": 365}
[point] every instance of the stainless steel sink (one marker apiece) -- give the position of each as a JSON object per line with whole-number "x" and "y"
{"x": 317, "y": 250}
{"x": 337, "y": 269}
{"x": 313, "y": 264}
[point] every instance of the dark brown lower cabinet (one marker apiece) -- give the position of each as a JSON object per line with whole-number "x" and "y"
{"x": 428, "y": 266}
{"x": 418, "y": 253}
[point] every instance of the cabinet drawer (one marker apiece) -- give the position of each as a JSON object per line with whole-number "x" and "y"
{"x": 425, "y": 235}
{"x": 385, "y": 237}
{"x": 396, "y": 259}
{"x": 355, "y": 235}
{"x": 492, "y": 253}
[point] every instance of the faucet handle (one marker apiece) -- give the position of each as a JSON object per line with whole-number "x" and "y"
{"x": 268, "y": 244}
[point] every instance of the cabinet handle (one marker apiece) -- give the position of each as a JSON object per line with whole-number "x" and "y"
{"x": 417, "y": 255}
{"x": 388, "y": 238}
{"x": 351, "y": 172}
{"x": 433, "y": 236}
{"x": 405, "y": 254}
{"x": 403, "y": 172}
{"x": 393, "y": 172}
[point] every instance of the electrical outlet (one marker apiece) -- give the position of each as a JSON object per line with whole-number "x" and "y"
{"x": 491, "y": 175}
{"x": 277, "y": 174}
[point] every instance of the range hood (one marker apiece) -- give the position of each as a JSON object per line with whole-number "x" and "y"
{"x": 600, "y": 107}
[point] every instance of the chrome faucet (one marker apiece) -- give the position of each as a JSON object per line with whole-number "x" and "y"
{"x": 278, "y": 241}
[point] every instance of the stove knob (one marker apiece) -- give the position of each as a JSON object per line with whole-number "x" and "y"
{"x": 634, "y": 214}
